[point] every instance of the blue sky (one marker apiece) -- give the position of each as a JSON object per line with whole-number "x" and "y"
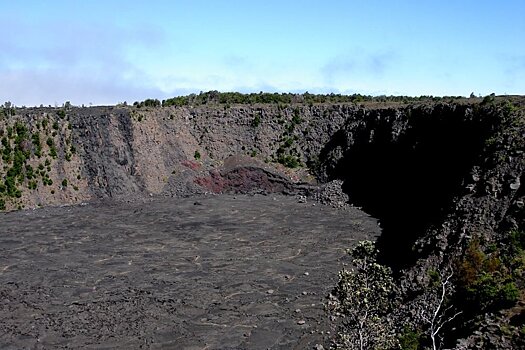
{"x": 104, "y": 52}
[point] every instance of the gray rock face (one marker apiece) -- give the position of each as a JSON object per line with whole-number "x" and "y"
{"x": 130, "y": 153}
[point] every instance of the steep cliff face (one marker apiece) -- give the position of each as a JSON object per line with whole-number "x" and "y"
{"x": 403, "y": 164}
{"x": 83, "y": 154}
{"x": 406, "y": 166}
{"x": 446, "y": 183}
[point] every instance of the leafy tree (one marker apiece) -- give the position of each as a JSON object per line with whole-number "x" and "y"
{"x": 362, "y": 297}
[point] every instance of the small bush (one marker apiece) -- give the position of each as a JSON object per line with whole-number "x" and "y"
{"x": 409, "y": 339}
{"x": 197, "y": 155}
{"x": 289, "y": 161}
{"x": 489, "y": 99}
{"x": 256, "y": 121}
{"x": 296, "y": 119}
{"x": 486, "y": 282}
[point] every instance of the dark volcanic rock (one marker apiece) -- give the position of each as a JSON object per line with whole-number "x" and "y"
{"x": 225, "y": 274}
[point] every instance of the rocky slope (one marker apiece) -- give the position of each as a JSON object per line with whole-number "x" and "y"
{"x": 118, "y": 153}
{"x": 446, "y": 183}
{"x": 438, "y": 175}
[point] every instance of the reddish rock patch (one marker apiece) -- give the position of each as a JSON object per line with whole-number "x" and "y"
{"x": 244, "y": 180}
{"x": 191, "y": 164}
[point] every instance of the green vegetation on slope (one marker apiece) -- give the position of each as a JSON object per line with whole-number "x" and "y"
{"x": 22, "y": 144}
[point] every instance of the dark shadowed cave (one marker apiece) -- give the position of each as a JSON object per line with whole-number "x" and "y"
{"x": 404, "y": 169}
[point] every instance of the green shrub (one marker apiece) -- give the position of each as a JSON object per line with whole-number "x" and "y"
{"x": 409, "y": 339}
{"x": 516, "y": 241}
{"x": 485, "y": 281}
{"x": 483, "y": 290}
{"x": 53, "y": 152}
{"x": 435, "y": 278}
{"x": 296, "y": 119}
{"x": 256, "y": 121}
{"x": 289, "y": 161}
{"x": 64, "y": 183}
{"x": 29, "y": 172}
{"x": 489, "y": 99}
{"x": 197, "y": 155}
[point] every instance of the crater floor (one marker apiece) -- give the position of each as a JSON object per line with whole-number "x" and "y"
{"x": 211, "y": 272}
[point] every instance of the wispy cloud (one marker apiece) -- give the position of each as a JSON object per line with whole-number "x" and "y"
{"x": 49, "y": 62}
{"x": 50, "y": 86}
{"x": 357, "y": 64}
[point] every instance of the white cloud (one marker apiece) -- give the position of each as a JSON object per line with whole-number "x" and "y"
{"x": 356, "y": 65}
{"x": 54, "y": 62}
